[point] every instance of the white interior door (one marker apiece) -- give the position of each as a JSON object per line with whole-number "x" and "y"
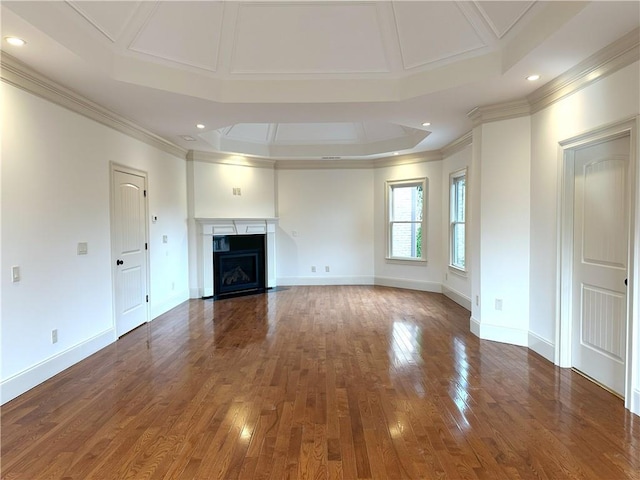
{"x": 601, "y": 227}
{"x": 129, "y": 250}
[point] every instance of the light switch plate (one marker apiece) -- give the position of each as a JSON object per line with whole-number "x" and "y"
{"x": 15, "y": 274}
{"x": 83, "y": 248}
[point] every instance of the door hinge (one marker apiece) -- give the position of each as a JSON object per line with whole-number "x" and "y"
{"x": 145, "y": 193}
{"x": 147, "y": 298}
{"x": 146, "y": 246}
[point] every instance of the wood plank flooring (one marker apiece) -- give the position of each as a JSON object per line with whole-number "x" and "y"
{"x": 352, "y": 382}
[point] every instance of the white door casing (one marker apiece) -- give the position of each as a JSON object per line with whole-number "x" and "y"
{"x": 129, "y": 249}
{"x": 600, "y": 256}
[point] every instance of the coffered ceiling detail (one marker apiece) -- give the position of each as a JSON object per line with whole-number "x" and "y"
{"x": 502, "y": 16}
{"x": 314, "y": 140}
{"x": 308, "y": 38}
{"x": 308, "y": 79}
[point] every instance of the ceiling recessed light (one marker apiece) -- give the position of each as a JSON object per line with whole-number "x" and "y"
{"x": 200, "y": 126}
{"x": 533, "y": 78}
{"x": 395, "y": 153}
{"x": 15, "y": 41}
{"x": 426, "y": 124}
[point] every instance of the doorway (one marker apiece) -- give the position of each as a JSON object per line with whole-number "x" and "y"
{"x": 598, "y": 172}
{"x": 129, "y": 246}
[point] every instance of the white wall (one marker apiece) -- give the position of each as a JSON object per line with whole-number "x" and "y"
{"x": 325, "y": 219}
{"x": 419, "y": 276}
{"x": 456, "y": 285}
{"x": 55, "y": 193}
{"x": 213, "y": 185}
{"x": 504, "y": 228}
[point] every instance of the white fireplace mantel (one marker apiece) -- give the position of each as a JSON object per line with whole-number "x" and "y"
{"x": 208, "y": 227}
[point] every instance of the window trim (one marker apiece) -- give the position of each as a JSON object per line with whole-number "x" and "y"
{"x": 389, "y": 186}
{"x": 453, "y": 176}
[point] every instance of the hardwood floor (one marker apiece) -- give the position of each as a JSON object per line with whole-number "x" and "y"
{"x": 317, "y": 382}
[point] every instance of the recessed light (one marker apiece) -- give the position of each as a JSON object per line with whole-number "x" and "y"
{"x": 200, "y": 126}
{"x": 426, "y": 124}
{"x": 395, "y": 153}
{"x": 533, "y": 78}
{"x": 15, "y": 41}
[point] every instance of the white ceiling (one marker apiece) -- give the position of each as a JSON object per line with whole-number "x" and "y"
{"x": 303, "y": 79}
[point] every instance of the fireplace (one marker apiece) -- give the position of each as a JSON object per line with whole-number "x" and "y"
{"x": 206, "y": 229}
{"x": 238, "y": 265}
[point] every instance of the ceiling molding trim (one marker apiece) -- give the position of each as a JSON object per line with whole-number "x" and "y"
{"x": 351, "y": 164}
{"x": 617, "y": 55}
{"x": 500, "y": 111}
{"x": 19, "y": 75}
{"x": 227, "y": 159}
{"x": 74, "y": 5}
{"x": 409, "y": 159}
{"x": 457, "y": 145}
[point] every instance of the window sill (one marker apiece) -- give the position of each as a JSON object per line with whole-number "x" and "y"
{"x": 458, "y": 271}
{"x": 406, "y": 261}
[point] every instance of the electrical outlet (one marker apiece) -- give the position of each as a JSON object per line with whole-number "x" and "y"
{"x": 83, "y": 248}
{"x": 54, "y": 335}
{"x": 327, "y": 269}
{"x": 165, "y": 239}
{"x": 313, "y": 269}
{"x": 477, "y": 300}
{"x": 498, "y": 304}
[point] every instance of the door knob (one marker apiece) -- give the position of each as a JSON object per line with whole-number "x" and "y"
{"x": 119, "y": 262}
{"x": 625, "y": 281}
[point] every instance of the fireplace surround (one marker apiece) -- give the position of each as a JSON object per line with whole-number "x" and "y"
{"x": 209, "y": 228}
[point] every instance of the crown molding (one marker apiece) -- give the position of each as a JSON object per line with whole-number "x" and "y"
{"x": 499, "y": 111}
{"x": 457, "y": 145}
{"x": 17, "y": 74}
{"x": 226, "y": 159}
{"x": 420, "y": 157}
{"x": 351, "y": 164}
{"x": 613, "y": 57}
{"x": 617, "y": 55}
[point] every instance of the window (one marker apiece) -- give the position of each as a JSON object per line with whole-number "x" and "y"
{"x": 457, "y": 209}
{"x": 406, "y": 207}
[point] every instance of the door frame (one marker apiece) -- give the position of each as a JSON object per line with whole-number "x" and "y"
{"x": 564, "y": 323}
{"x": 117, "y": 167}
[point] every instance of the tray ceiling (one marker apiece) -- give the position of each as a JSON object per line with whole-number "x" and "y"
{"x": 333, "y": 68}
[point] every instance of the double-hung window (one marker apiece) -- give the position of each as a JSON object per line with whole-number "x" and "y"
{"x": 457, "y": 209}
{"x": 406, "y": 213}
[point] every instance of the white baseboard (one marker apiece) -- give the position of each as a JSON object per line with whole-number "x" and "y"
{"x": 29, "y": 378}
{"x": 435, "y": 287}
{"x": 324, "y": 280}
{"x": 498, "y": 333}
{"x": 634, "y": 406}
{"x": 474, "y": 326}
{"x": 169, "y": 303}
{"x": 457, "y": 297}
{"x": 542, "y": 346}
